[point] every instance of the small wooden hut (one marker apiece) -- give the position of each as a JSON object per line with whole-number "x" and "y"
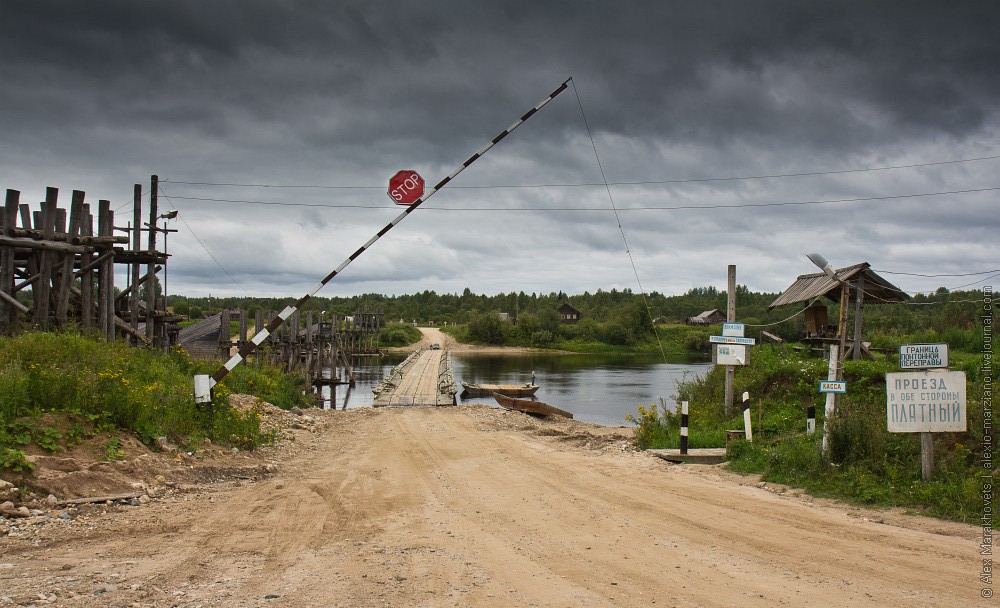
{"x": 858, "y": 284}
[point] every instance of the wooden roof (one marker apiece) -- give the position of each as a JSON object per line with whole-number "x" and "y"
{"x": 810, "y": 286}
{"x": 709, "y": 313}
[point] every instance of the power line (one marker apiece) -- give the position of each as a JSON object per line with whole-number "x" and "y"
{"x": 621, "y": 229}
{"x": 917, "y": 274}
{"x": 606, "y": 183}
{"x": 577, "y": 209}
{"x": 203, "y": 246}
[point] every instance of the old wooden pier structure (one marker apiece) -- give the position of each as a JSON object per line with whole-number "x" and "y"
{"x": 58, "y": 268}
{"x": 68, "y": 259}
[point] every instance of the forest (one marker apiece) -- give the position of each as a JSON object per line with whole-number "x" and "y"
{"x": 616, "y": 317}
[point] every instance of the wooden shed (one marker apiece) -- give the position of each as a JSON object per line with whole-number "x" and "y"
{"x": 858, "y": 284}
{"x": 709, "y": 317}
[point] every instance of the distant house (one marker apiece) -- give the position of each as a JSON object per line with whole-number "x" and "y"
{"x": 709, "y": 317}
{"x": 503, "y": 316}
{"x": 569, "y": 315}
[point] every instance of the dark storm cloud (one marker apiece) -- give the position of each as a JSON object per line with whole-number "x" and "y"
{"x": 105, "y": 93}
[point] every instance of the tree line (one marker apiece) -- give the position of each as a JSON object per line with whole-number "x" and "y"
{"x": 614, "y": 316}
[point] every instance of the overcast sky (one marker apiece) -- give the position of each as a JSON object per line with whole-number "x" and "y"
{"x": 745, "y": 133}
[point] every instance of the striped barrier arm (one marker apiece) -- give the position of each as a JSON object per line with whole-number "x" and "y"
{"x": 202, "y": 395}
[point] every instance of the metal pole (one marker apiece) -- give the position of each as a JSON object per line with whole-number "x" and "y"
{"x": 287, "y": 312}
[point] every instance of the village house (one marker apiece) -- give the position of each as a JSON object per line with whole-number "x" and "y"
{"x": 709, "y": 317}
{"x": 569, "y": 315}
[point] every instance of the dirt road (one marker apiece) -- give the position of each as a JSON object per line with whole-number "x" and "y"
{"x": 473, "y": 506}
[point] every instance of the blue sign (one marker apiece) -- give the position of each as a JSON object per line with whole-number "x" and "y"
{"x": 731, "y": 340}
{"x": 733, "y": 329}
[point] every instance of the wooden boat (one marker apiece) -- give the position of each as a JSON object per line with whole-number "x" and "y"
{"x": 511, "y": 390}
{"x": 535, "y": 408}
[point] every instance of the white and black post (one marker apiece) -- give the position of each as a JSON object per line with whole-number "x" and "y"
{"x": 811, "y": 420}
{"x": 684, "y": 427}
{"x": 746, "y": 417}
{"x": 202, "y": 396}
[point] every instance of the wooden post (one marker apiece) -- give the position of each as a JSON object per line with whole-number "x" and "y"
{"x": 225, "y": 338}
{"x": 151, "y": 270}
{"x": 106, "y": 275}
{"x": 859, "y": 299}
{"x": 308, "y": 371}
{"x": 845, "y": 296}
{"x": 731, "y": 318}
{"x": 86, "y": 272}
{"x": 45, "y": 222}
{"x": 133, "y": 302}
{"x": 8, "y": 312}
{"x": 926, "y": 455}
{"x": 66, "y": 272}
{"x": 243, "y": 329}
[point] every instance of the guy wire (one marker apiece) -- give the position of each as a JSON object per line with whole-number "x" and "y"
{"x": 621, "y": 229}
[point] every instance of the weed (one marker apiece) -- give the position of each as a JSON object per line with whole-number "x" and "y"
{"x": 113, "y": 450}
{"x": 14, "y": 460}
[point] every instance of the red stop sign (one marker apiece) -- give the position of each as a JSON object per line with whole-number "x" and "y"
{"x": 406, "y": 187}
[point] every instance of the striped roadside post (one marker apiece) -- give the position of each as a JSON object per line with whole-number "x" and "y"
{"x": 746, "y": 416}
{"x": 203, "y": 383}
{"x": 811, "y": 420}
{"x": 684, "y": 427}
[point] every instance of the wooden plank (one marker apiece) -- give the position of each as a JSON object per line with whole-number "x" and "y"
{"x": 88, "y": 262}
{"x": 43, "y": 288}
{"x": 93, "y": 499}
{"x": 69, "y": 260}
{"x": 106, "y": 275}
{"x": 133, "y": 303}
{"x": 8, "y": 314}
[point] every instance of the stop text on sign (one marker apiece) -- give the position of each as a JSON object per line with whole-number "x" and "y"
{"x": 406, "y": 187}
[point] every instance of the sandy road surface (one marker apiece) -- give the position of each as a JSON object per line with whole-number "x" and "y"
{"x": 472, "y": 506}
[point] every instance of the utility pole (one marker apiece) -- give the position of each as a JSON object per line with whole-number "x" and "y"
{"x": 151, "y": 267}
{"x": 731, "y": 318}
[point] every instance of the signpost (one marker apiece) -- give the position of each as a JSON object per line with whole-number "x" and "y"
{"x": 731, "y": 340}
{"x": 923, "y": 356}
{"x": 406, "y": 187}
{"x": 833, "y": 386}
{"x": 731, "y": 354}
{"x": 925, "y": 402}
{"x": 733, "y": 329}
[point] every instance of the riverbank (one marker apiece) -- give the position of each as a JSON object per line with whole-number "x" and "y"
{"x": 433, "y": 335}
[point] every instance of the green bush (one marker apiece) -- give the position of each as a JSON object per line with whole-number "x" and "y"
{"x": 867, "y": 464}
{"x": 101, "y": 387}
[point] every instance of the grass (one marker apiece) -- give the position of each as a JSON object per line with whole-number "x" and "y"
{"x": 867, "y": 464}
{"x": 58, "y": 388}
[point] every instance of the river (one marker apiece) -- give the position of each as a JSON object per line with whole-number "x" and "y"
{"x": 595, "y": 388}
